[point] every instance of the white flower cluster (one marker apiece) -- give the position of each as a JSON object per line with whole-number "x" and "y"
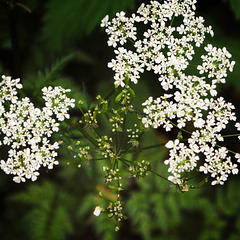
{"x": 167, "y": 50}
{"x": 216, "y": 63}
{"x": 158, "y": 49}
{"x": 27, "y": 129}
{"x": 209, "y": 117}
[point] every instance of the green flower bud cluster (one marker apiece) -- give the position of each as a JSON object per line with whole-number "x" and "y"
{"x": 104, "y": 146}
{"x": 140, "y": 169}
{"x": 115, "y": 210}
{"x": 125, "y": 96}
{"x": 81, "y": 152}
{"x": 134, "y": 136}
{"x": 90, "y": 119}
{"x": 116, "y": 121}
{"x": 112, "y": 175}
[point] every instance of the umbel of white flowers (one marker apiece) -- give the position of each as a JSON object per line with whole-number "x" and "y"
{"x": 27, "y": 129}
{"x": 167, "y": 50}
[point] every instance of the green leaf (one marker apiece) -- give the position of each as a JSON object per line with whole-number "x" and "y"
{"x": 66, "y": 21}
{"x": 53, "y": 76}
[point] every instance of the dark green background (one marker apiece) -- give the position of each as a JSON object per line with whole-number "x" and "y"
{"x": 61, "y": 43}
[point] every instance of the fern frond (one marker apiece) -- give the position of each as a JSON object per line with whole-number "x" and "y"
{"x": 65, "y": 21}
{"x": 48, "y": 217}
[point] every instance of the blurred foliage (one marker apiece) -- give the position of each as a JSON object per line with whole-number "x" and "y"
{"x": 59, "y": 43}
{"x": 48, "y": 215}
{"x": 235, "y": 5}
{"x": 64, "y": 21}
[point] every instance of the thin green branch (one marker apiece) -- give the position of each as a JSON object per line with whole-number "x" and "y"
{"x": 175, "y": 125}
{"x": 98, "y": 134}
{"x": 98, "y": 159}
{"x": 125, "y": 160}
{"x": 153, "y": 146}
{"x": 110, "y": 94}
{"x": 227, "y": 149}
{"x": 157, "y": 174}
{"x": 231, "y": 135}
{"x": 89, "y": 137}
{"x": 123, "y": 130}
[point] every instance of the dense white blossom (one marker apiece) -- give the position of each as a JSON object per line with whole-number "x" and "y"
{"x": 27, "y": 129}
{"x": 149, "y": 47}
{"x": 167, "y": 50}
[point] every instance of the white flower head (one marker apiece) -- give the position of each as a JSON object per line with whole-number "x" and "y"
{"x": 27, "y": 130}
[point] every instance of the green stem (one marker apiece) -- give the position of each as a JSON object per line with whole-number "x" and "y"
{"x": 231, "y": 135}
{"x": 116, "y": 141}
{"x": 98, "y": 159}
{"x": 160, "y": 176}
{"x": 125, "y": 150}
{"x": 172, "y": 20}
{"x": 153, "y": 146}
{"x": 173, "y": 16}
{"x": 125, "y": 160}
{"x": 227, "y": 149}
{"x": 88, "y": 136}
{"x": 98, "y": 134}
{"x": 130, "y": 146}
{"x": 131, "y": 40}
{"x": 110, "y": 94}
{"x": 123, "y": 130}
{"x": 175, "y": 125}
{"x": 118, "y": 183}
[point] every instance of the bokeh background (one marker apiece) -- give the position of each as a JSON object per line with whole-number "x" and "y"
{"x": 55, "y": 42}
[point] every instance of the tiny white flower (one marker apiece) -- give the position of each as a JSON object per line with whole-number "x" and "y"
{"x": 97, "y": 211}
{"x": 175, "y": 179}
{"x": 171, "y": 144}
{"x": 237, "y": 156}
